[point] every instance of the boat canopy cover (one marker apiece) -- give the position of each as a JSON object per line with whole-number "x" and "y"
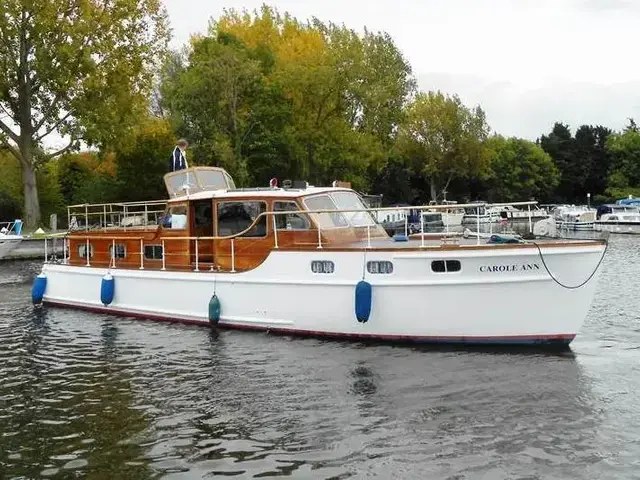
{"x": 629, "y": 201}
{"x": 197, "y": 179}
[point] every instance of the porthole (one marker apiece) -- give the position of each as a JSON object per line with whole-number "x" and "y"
{"x": 446, "y": 266}
{"x": 322, "y": 266}
{"x": 380, "y": 266}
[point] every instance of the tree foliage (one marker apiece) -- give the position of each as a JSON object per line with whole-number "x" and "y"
{"x": 141, "y": 161}
{"x": 624, "y": 148}
{"x": 584, "y": 161}
{"x": 265, "y": 94}
{"x": 80, "y": 69}
{"x": 519, "y": 169}
{"x": 444, "y": 140}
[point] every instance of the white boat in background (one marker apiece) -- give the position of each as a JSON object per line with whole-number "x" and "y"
{"x": 481, "y": 212}
{"x": 513, "y": 214}
{"x": 618, "y": 219}
{"x": 572, "y": 217}
{"x": 452, "y": 217}
{"x": 10, "y": 237}
{"x": 313, "y": 261}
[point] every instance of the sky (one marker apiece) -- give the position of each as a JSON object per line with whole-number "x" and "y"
{"x": 527, "y": 63}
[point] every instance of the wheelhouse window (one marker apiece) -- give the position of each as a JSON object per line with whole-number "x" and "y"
{"x": 235, "y": 217}
{"x": 82, "y": 250}
{"x": 339, "y": 201}
{"x": 153, "y": 252}
{"x": 445, "y": 266}
{"x": 293, "y": 220}
{"x": 175, "y": 217}
{"x": 351, "y": 201}
{"x": 325, "y": 220}
{"x": 120, "y": 251}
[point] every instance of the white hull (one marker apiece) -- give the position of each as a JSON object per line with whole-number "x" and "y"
{"x": 411, "y": 304}
{"x": 617, "y": 227}
{"x": 8, "y": 243}
{"x": 484, "y": 219}
{"x": 452, "y": 219}
{"x": 578, "y": 226}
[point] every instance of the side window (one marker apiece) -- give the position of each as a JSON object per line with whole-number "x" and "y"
{"x": 202, "y": 214}
{"x": 235, "y": 217}
{"x": 326, "y": 219}
{"x": 120, "y": 251}
{"x": 290, "y": 221}
{"x": 445, "y": 266}
{"x": 175, "y": 217}
{"x": 322, "y": 266}
{"x": 82, "y": 250}
{"x": 153, "y": 252}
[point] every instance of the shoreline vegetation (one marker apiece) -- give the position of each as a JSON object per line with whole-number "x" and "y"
{"x": 261, "y": 94}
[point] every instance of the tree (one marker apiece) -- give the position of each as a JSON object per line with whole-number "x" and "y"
{"x": 264, "y": 94}
{"x": 590, "y": 152}
{"x": 141, "y": 161}
{"x": 625, "y": 175}
{"x": 520, "y": 170}
{"x": 78, "y": 69}
{"x": 559, "y": 145}
{"x": 444, "y": 139}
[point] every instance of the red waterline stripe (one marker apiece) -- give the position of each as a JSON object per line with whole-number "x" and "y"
{"x": 512, "y": 339}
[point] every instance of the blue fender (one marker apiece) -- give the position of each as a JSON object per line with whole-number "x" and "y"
{"x": 214, "y": 309}
{"x": 107, "y": 289}
{"x": 363, "y": 300}
{"x": 38, "y": 289}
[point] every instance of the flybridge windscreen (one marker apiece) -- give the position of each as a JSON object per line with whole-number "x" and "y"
{"x": 197, "y": 179}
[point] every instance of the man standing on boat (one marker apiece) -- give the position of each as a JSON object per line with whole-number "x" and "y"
{"x": 178, "y": 159}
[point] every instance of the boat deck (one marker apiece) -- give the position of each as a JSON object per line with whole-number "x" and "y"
{"x": 415, "y": 242}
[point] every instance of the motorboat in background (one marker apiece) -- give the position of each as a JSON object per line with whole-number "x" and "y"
{"x": 617, "y": 218}
{"x": 10, "y": 237}
{"x": 513, "y": 214}
{"x": 452, "y": 217}
{"x": 481, "y": 213}
{"x": 572, "y": 217}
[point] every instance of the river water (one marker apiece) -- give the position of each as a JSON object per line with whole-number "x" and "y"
{"x": 86, "y": 395}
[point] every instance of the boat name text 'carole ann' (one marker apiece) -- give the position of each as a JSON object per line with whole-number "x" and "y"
{"x": 509, "y": 268}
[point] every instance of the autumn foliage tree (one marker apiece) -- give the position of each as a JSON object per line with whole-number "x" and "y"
{"x": 264, "y": 94}
{"x": 78, "y": 69}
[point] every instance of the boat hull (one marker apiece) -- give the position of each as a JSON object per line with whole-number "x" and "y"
{"x": 8, "y": 244}
{"x": 617, "y": 227}
{"x": 413, "y": 304}
{"x": 452, "y": 219}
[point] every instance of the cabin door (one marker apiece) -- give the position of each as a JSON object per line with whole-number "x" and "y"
{"x": 248, "y": 250}
{"x": 202, "y": 226}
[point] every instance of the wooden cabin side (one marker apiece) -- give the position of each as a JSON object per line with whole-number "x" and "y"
{"x": 202, "y": 219}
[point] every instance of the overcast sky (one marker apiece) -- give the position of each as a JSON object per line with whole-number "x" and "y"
{"x": 528, "y": 63}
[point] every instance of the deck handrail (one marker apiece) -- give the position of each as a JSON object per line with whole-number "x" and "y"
{"x": 79, "y": 234}
{"x": 306, "y": 212}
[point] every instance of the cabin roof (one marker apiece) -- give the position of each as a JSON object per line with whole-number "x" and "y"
{"x": 258, "y": 193}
